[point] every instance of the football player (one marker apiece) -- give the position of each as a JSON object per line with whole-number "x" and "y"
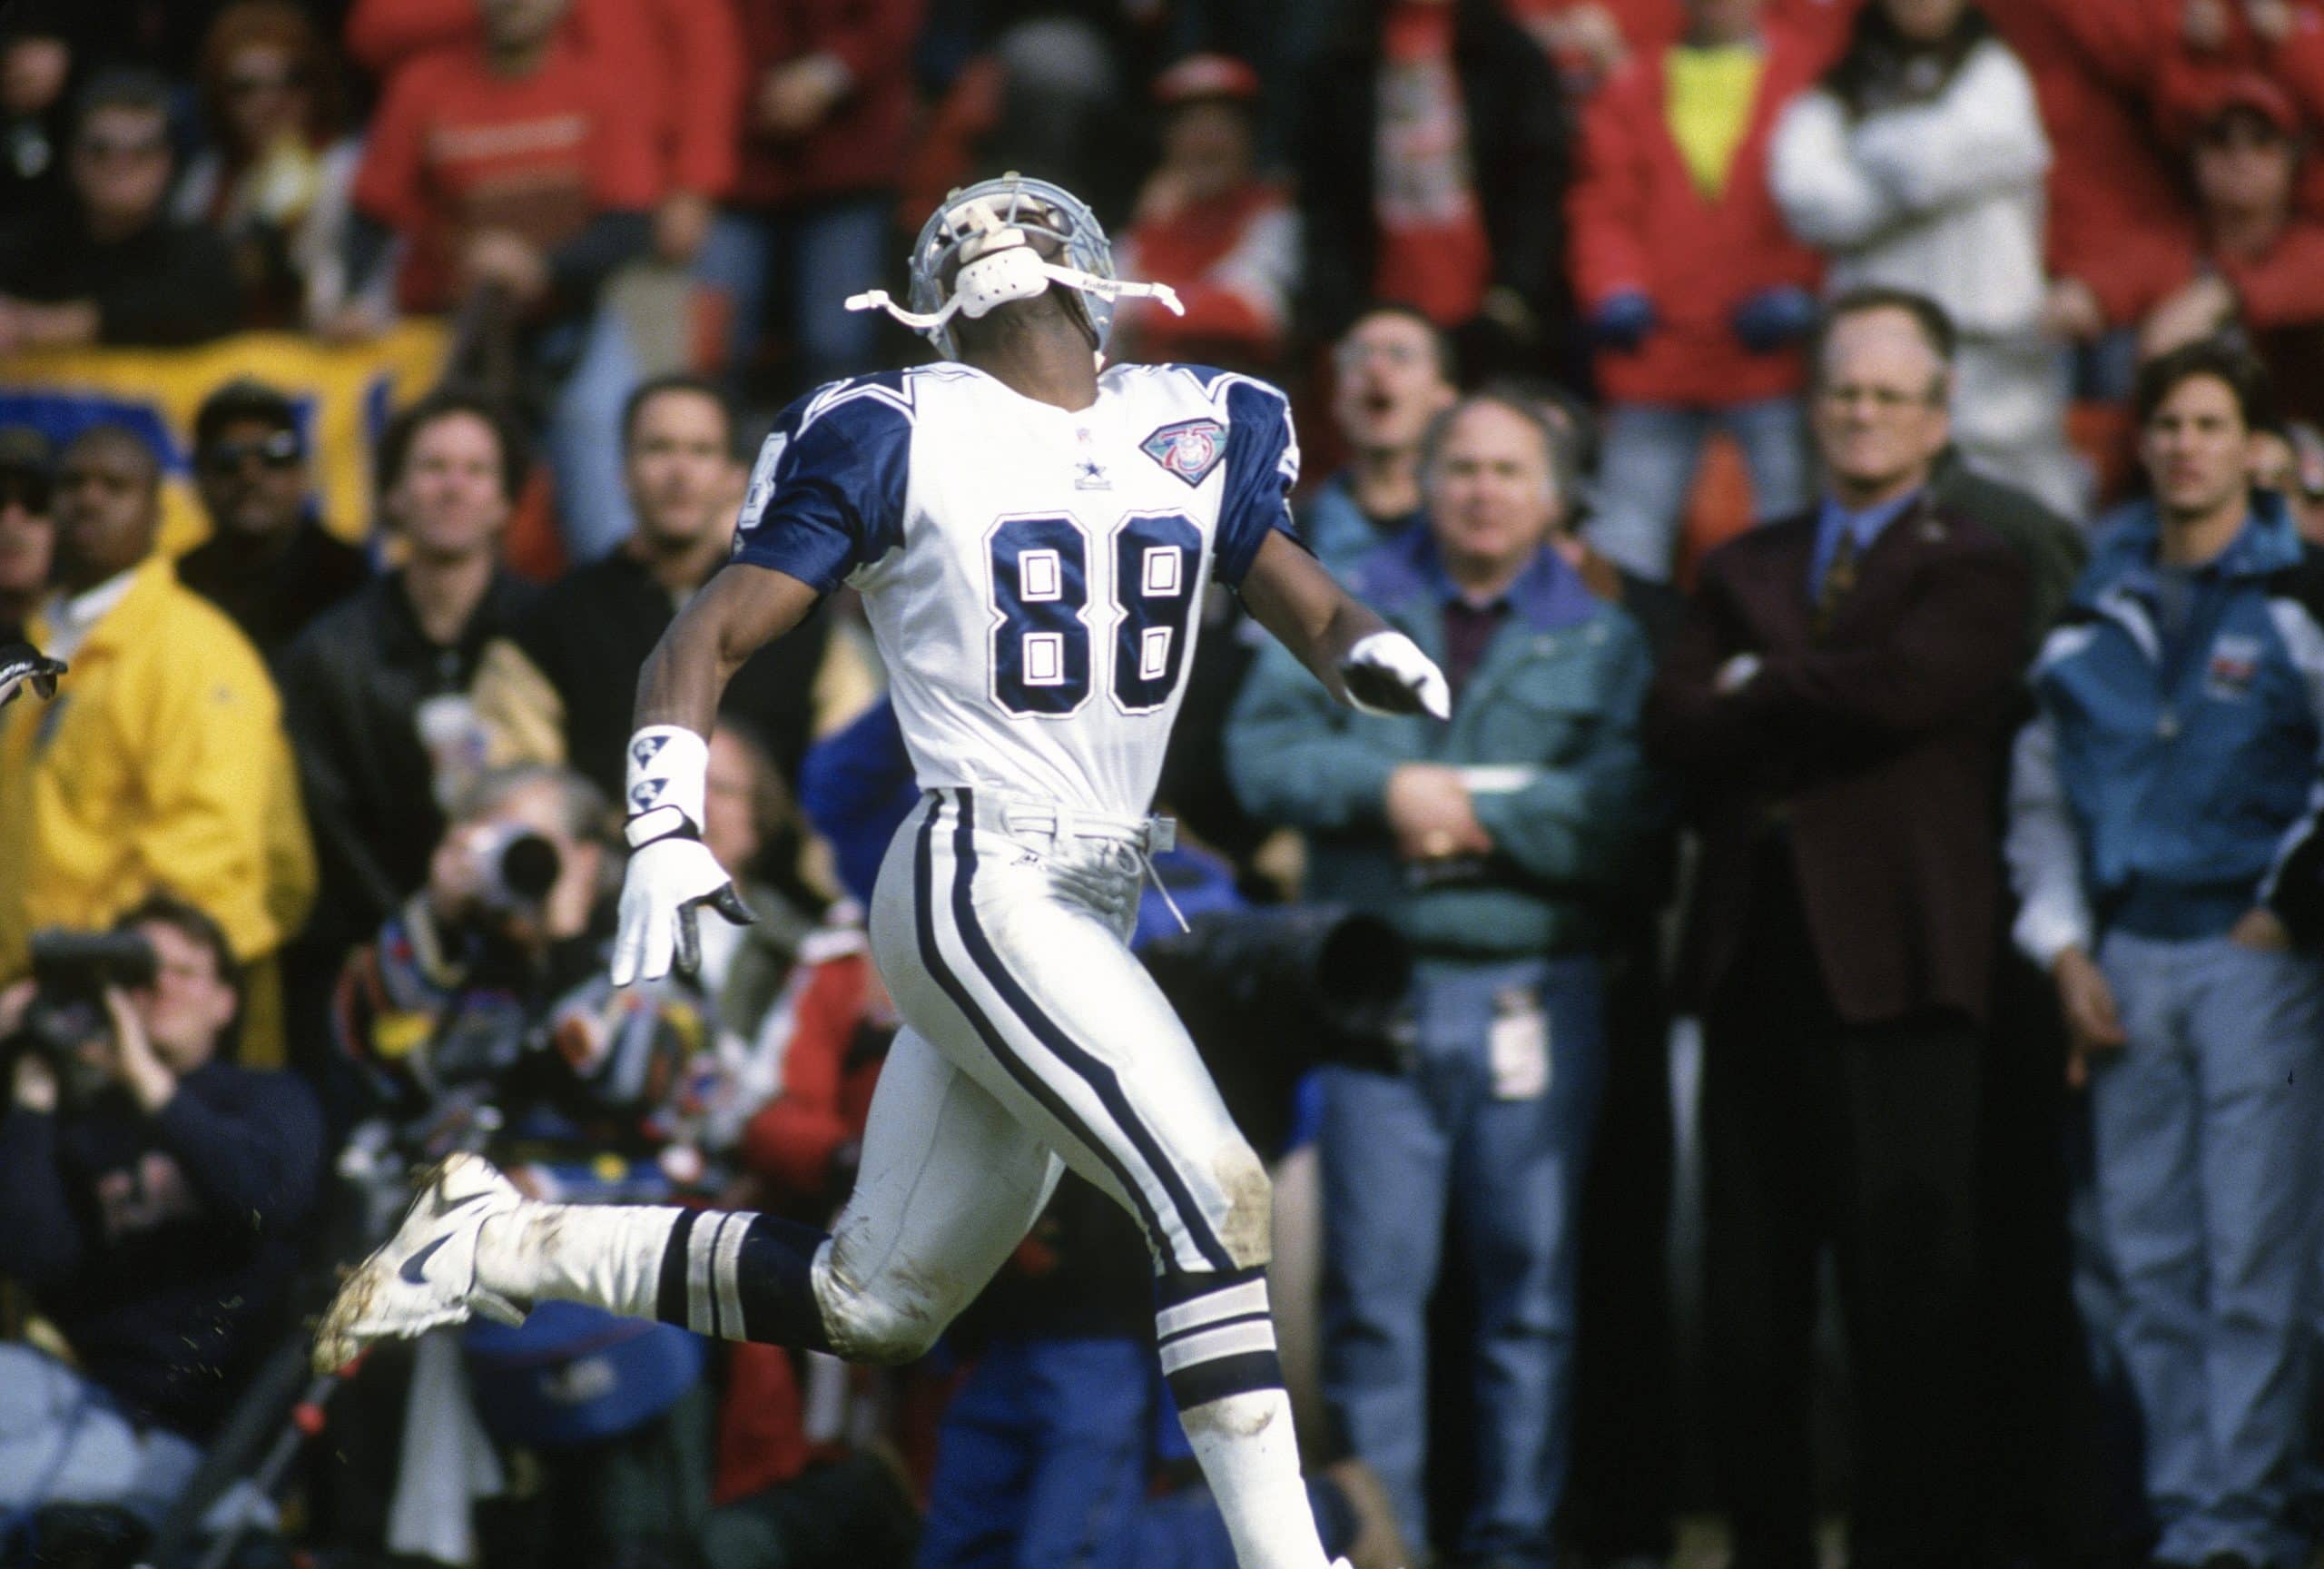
{"x": 1030, "y": 533}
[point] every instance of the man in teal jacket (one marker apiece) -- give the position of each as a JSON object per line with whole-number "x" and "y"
{"x": 1495, "y": 844}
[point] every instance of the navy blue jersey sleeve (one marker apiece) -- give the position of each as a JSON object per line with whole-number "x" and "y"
{"x": 827, "y": 493}
{"x": 1262, "y": 466}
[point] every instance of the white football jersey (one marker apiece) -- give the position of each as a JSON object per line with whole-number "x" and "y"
{"x": 1033, "y": 577}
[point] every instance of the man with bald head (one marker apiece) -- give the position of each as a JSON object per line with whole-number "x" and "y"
{"x": 1833, "y": 707}
{"x": 162, "y": 762}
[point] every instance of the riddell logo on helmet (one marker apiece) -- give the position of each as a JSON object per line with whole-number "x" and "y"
{"x": 1191, "y": 448}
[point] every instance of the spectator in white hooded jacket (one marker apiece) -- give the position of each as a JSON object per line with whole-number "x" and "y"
{"x": 1918, "y": 164}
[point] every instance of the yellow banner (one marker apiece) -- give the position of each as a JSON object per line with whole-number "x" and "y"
{"x": 343, "y": 395}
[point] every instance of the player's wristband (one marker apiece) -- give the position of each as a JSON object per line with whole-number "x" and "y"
{"x": 652, "y": 827}
{"x": 669, "y": 771}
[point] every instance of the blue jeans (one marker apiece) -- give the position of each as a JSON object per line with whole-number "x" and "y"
{"x": 1042, "y": 1463}
{"x": 1651, "y": 453}
{"x": 2204, "y": 1130}
{"x": 1402, "y": 1152}
{"x": 825, "y": 252}
{"x": 1042, "y": 1456}
{"x": 62, "y": 1441}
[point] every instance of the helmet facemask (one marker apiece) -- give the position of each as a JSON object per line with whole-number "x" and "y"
{"x": 979, "y": 252}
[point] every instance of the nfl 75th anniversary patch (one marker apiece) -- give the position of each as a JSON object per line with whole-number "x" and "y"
{"x": 1190, "y": 448}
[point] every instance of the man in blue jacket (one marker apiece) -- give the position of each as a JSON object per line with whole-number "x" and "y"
{"x": 1495, "y": 843}
{"x": 2163, "y": 815}
{"x": 154, "y": 1216}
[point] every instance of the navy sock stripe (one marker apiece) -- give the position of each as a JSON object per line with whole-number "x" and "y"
{"x": 670, "y": 1302}
{"x": 1089, "y": 1068}
{"x": 1263, "y": 1316}
{"x": 774, "y": 1276}
{"x": 1175, "y": 1287}
{"x": 719, "y": 1330}
{"x": 931, "y": 955}
{"x": 1246, "y": 1373}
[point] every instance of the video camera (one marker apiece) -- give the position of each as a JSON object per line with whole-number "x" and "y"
{"x": 71, "y": 971}
{"x": 1270, "y": 993}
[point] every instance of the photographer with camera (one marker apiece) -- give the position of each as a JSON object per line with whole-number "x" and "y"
{"x": 498, "y": 953}
{"x": 482, "y": 1014}
{"x": 152, "y": 1196}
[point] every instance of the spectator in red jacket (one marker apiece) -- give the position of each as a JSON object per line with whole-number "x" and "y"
{"x": 1696, "y": 294}
{"x": 1432, "y": 165}
{"x": 274, "y": 180}
{"x": 2250, "y": 263}
{"x": 521, "y": 174}
{"x": 826, "y": 122}
{"x": 521, "y": 164}
{"x": 2175, "y": 55}
{"x": 1211, "y": 228}
{"x": 803, "y": 1144}
{"x": 684, "y": 58}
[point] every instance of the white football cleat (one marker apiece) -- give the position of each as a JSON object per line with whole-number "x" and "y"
{"x": 425, "y": 1275}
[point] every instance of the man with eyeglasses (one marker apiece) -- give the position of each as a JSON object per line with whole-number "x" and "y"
{"x": 1834, "y": 705}
{"x": 118, "y": 270}
{"x": 269, "y": 562}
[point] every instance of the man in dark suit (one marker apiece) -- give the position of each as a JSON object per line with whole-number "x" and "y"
{"x": 1834, "y": 704}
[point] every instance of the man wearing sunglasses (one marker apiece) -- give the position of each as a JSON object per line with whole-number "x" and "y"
{"x": 269, "y": 562}
{"x": 118, "y": 272}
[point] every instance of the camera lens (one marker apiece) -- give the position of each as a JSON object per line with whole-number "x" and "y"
{"x": 529, "y": 868}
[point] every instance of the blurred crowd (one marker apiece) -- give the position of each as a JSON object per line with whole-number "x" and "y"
{"x": 1857, "y": 463}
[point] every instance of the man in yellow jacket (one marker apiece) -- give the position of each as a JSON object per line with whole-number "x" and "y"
{"x": 161, "y": 761}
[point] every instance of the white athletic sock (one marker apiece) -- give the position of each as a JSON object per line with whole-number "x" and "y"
{"x": 1216, "y": 1338}
{"x": 608, "y": 1256}
{"x": 1250, "y": 1457}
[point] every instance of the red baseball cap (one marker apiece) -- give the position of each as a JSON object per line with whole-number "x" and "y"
{"x": 1206, "y": 76}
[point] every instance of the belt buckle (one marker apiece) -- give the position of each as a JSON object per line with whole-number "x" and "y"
{"x": 1161, "y": 835}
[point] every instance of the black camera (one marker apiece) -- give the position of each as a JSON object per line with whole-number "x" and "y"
{"x": 71, "y": 971}
{"x": 520, "y": 867}
{"x": 77, "y": 966}
{"x": 1270, "y": 993}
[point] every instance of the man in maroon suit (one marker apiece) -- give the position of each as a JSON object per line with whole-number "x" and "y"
{"x": 1835, "y": 705}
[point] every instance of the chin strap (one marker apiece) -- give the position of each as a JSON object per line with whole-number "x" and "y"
{"x": 1012, "y": 272}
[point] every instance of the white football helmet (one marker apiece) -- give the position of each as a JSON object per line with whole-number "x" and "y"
{"x": 989, "y": 228}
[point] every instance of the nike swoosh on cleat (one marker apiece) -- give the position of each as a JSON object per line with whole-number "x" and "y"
{"x": 443, "y": 1208}
{"x": 415, "y": 1268}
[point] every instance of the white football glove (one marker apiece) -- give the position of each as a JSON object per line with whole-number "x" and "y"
{"x": 671, "y": 872}
{"x": 1386, "y": 673}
